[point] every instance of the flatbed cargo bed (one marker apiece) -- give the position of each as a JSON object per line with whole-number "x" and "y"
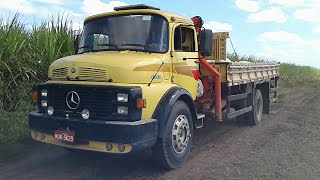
{"x": 235, "y": 73}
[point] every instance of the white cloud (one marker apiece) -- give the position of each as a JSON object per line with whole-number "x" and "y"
{"x": 280, "y": 37}
{"x": 247, "y": 5}
{"x": 218, "y": 26}
{"x": 288, "y": 47}
{"x": 315, "y": 44}
{"x": 290, "y": 39}
{"x": 288, "y": 3}
{"x": 44, "y": 9}
{"x": 55, "y": 2}
{"x": 316, "y": 29}
{"x": 284, "y": 53}
{"x": 49, "y": 8}
{"x": 22, "y": 6}
{"x": 272, "y": 15}
{"x": 91, "y": 7}
{"x": 274, "y": 53}
{"x": 310, "y": 14}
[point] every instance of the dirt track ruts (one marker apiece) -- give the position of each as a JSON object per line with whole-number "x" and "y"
{"x": 285, "y": 146}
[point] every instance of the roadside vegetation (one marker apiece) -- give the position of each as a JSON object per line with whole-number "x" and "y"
{"x": 26, "y": 53}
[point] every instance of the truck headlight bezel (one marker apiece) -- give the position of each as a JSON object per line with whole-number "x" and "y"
{"x": 123, "y": 110}
{"x": 43, "y": 98}
{"x": 44, "y": 103}
{"x": 122, "y": 97}
{"x": 44, "y": 93}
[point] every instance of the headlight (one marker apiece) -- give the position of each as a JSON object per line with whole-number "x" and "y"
{"x": 123, "y": 110}
{"x": 85, "y": 114}
{"x": 44, "y": 103}
{"x": 122, "y": 97}
{"x": 44, "y": 92}
{"x": 50, "y": 110}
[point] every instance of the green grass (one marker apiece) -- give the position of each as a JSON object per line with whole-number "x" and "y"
{"x": 292, "y": 73}
{"x": 25, "y": 55}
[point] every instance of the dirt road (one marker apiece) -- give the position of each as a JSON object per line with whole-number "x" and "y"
{"x": 285, "y": 146}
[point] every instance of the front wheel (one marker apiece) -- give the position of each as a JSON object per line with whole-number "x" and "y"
{"x": 173, "y": 150}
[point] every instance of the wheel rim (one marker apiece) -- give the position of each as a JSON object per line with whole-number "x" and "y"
{"x": 180, "y": 134}
{"x": 259, "y": 108}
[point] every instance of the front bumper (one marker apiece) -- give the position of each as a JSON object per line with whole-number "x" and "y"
{"x": 94, "y": 135}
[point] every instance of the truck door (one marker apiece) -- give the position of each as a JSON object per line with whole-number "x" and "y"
{"x": 184, "y": 53}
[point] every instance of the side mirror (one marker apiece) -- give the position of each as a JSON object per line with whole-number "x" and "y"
{"x": 76, "y": 44}
{"x": 205, "y": 46}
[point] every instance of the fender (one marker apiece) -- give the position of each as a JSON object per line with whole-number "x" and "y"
{"x": 164, "y": 107}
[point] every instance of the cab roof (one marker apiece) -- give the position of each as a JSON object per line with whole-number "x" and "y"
{"x": 167, "y": 15}
{"x": 135, "y": 6}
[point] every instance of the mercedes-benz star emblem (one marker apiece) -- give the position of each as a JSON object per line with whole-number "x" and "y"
{"x": 73, "y": 100}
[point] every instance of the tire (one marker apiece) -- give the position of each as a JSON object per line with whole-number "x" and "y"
{"x": 255, "y": 116}
{"x": 169, "y": 152}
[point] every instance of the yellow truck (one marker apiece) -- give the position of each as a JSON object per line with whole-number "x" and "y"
{"x": 142, "y": 79}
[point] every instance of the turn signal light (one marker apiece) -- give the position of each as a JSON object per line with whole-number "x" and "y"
{"x": 141, "y": 103}
{"x": 35, "y": 96}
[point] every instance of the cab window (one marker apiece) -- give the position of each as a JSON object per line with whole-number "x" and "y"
{"x": 184, "y": 39}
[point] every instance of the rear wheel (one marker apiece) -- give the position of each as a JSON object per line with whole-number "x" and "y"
{"x": 255, "y": 116}
{"x": 173, "y": 150}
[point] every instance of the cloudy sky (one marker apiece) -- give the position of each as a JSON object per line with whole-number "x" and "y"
{"x": 280, "y": 30}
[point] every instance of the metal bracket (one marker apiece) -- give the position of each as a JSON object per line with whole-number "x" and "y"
{"x": 199, "y": 118}
{"x": 239, "y": 112}
{"x": 274, "y": 100}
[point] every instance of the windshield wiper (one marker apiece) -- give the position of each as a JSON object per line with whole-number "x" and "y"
{"x": 85, "y": 47}
{"x": 93, "y": 50}
{"x": 113, "y": 45}
{"x": 139, "y": 45}
{"x": 154, "y": 76}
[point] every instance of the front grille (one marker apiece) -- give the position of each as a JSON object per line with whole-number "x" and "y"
{"x": 60, "y": 72}
{"x": 96, "y": 100}
{"x": 101, "y": 101}
{"x": 92, "y": 73}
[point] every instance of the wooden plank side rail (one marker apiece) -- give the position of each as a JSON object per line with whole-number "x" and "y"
{"x": 244, "y": 72}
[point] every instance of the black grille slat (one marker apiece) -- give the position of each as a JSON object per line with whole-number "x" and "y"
{"x": 92, "y": 73}
{"x": 60, "y": 72}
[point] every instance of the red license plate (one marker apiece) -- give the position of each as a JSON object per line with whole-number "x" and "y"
{"x": 64, "y": 136}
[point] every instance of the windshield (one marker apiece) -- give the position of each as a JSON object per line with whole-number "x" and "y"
{"x": 147, "y": 33}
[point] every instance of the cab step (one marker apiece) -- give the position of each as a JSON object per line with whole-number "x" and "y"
{"x": 199, "y": 123}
